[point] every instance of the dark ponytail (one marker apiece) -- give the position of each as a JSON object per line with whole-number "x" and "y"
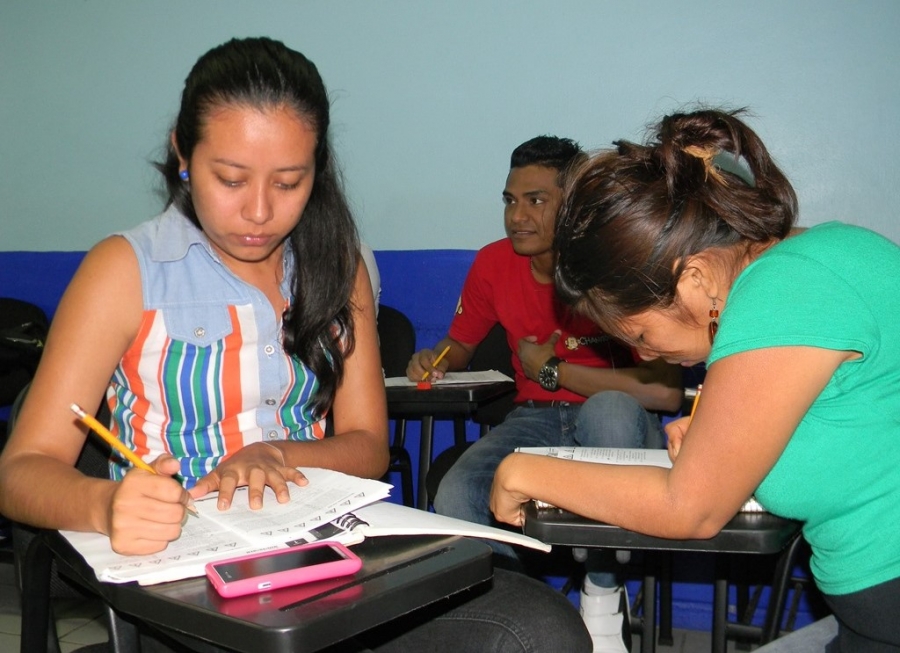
{"x": 633, "y": 215}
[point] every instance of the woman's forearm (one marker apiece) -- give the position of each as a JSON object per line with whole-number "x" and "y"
{"x": 47, "y": 493}
{"x": 636, "y": 498}
{"x": 360, "y": 453}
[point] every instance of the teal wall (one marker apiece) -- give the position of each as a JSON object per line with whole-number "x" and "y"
{"x": 430, "y": 98}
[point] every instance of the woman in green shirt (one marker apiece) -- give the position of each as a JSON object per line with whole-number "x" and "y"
{"x": 685, "y": 248}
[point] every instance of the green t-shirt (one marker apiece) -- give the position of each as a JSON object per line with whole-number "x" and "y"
{"x": 837, "y": 287}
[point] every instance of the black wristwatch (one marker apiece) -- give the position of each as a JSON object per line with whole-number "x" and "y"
{"x": 548, "y": 376}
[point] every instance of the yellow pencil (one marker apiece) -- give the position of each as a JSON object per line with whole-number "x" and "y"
{"x": 116, "y": 444}
{"x": 694, "y": 405}
{"x": 436, "y": 361}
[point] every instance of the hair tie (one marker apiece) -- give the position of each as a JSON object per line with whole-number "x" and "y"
{"x": 707, "y": 156}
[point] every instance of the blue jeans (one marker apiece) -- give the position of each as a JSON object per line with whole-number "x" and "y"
{"x": 606, "y": 419}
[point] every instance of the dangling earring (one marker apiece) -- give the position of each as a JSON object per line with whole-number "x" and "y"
{"x": 713, "y": 321}
{"x": 184, "y": 174}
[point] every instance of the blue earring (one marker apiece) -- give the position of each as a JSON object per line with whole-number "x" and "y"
{"x": 184, "y": 175}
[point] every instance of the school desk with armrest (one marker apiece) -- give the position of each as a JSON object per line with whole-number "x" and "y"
{"x": 440, "y": 402}
{"x": 399, "y": 575}
{"x": 746, "y": 533}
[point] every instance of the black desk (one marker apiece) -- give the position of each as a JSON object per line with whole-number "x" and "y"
{"x": 441, "y": 402}
{"x": 753, "y": 533}
{"x": 399, "y": 574}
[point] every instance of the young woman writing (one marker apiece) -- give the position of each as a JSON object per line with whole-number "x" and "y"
{"x": 685, "y": 248}
{"x": 223, "y": 333}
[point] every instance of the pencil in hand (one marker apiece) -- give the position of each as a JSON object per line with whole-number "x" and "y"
{"x": 117, "y": 445}
{"x": 436, "y": 361}
{"x": 694, "y": 405}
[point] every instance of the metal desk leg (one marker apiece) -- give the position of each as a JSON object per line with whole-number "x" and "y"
{"x": 425, "y": 442}
{"x": 459, "y": 432}
{"x": 37, "y": 634}
{"x": 648, "y": 632}
{"x": 123, "y": 635}
{"x": 772, "y": 624}
{"x": 720, "y": 605}
{"x": 665, "y": 637}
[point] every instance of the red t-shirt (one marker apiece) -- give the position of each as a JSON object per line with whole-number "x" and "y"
{"x": 501, "y": 288}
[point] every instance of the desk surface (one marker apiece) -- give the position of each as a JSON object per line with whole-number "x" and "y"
{"x": 747, "y": 532}
{"x": 399, "y": 574}
{"x": 454, "y": 397}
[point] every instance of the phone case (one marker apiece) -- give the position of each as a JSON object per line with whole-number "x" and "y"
{"x": 329, "y": 592}
{"x": 348, "y": 563}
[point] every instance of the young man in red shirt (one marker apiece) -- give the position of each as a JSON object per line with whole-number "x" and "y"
{"x": 575, "y": 385}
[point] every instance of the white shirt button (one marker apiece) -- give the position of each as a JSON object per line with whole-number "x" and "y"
{"x": 269, "y": 350}
{"x": 273, "y": 435}
{"x": 270, "y": 402}
{"x": 199, "y": 332}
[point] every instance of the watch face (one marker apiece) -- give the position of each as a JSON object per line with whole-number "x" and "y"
{"x": 548, "y": 377}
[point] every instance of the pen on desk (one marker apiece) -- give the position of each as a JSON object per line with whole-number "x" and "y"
{"x": 116, "y": 444}
{"x": 694, "y": 405}
{"x": 436, "y": 361}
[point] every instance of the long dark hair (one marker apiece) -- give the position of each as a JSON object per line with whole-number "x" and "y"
{"x": 263, "y": 73}
{"x": 631, "y": 216}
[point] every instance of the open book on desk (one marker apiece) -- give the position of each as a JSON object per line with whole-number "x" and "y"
{"x": 618, "y": 456}
{"x": 451, "y": 378}
{"x": 314, "y": 513}
{"x": 382, "y": 518}
{"x": 217, "y": 535}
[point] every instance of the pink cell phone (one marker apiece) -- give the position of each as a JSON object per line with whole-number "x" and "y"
{"x": 260, "y": 572}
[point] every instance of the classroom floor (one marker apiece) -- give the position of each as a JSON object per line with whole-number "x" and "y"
{"x": 80, "y": 623}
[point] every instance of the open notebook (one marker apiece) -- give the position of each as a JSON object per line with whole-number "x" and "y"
{"x": 332, "y": 506}
{"x": 618, "y": 456}
{"x": 220, "y": 534}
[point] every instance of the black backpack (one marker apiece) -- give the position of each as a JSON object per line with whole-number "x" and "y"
{"x": 23, "y": 331}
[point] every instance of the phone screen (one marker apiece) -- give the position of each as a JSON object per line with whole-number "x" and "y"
{"x": 272, "y": 564}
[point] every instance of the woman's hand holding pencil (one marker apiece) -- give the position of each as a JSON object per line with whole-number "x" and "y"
{"x": 676, "y": 429}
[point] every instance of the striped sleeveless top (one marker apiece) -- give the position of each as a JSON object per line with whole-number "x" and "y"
{"x": 207, "y": 373}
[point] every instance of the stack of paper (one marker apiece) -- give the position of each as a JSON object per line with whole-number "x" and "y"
{"x": 452, "y": 378}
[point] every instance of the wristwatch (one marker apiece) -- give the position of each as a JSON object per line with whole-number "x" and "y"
{"x": 548, "y": 376}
